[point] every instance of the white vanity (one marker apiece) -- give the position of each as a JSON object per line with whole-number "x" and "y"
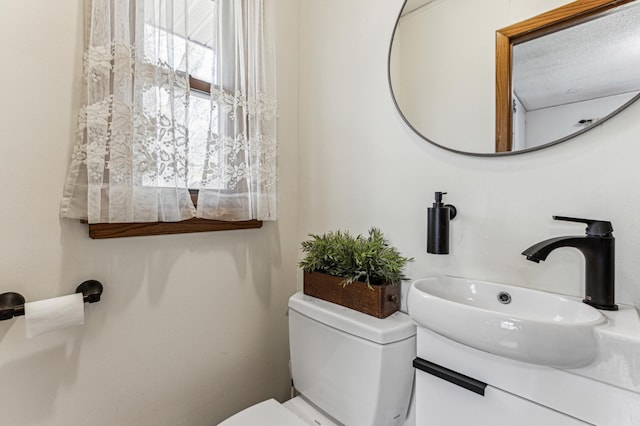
{"x": 492, "y": 354}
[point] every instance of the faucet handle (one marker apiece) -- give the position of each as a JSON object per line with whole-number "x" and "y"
{"x": 595, "y": 228}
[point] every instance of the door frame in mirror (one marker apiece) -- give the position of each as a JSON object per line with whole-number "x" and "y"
{"x": 549, "y": 22}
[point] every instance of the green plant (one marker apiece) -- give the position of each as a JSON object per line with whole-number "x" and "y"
{"x": 369, "y": 259}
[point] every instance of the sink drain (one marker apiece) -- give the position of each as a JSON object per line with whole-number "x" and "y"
{"x": 504, "y": 297}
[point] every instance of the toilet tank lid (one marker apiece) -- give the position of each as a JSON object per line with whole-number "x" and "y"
{"x": 397, "y": 326}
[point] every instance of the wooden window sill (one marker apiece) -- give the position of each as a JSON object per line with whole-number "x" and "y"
{"x": 121, "y": 230}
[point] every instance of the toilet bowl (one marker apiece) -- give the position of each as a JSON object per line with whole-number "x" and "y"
{"x": 348, "y": 368}
{"x": 294, "y": 412}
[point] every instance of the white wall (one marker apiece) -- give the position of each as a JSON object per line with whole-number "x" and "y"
{"x": 550, "y": 124}
{"x": 191, "y": 328}
{"x": 360, "y": 166}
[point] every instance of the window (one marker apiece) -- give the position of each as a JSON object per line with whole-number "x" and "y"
{"x": 179, "y": 130}
{"x": 195, "y": 61}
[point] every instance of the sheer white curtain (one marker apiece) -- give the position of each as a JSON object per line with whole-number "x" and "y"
{"x": 146, "y": 138}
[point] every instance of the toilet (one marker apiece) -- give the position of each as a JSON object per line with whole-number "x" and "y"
{"x": 348, "y": 368}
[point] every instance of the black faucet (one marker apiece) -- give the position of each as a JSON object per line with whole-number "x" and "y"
{"x": 598, "y": 248}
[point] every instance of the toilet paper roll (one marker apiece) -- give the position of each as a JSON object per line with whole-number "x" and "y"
{"x": 52, "y": 314}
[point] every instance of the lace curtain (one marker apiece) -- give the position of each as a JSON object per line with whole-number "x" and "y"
{"x": 147, "y": 139}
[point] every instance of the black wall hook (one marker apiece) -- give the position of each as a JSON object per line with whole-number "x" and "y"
{"x": 12, "y": 304}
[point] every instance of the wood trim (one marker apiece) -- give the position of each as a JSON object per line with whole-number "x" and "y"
{"x": 203, "y": 86}
{"x": 538, "y": 26}
{"x": 504, "y": 116}
{"x": 199, "y": 85}
{"x": 557, "y": 19}
{"x": 120, "y": 230}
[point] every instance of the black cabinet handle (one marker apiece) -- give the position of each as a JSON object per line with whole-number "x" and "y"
{"x": 450, "y": 376}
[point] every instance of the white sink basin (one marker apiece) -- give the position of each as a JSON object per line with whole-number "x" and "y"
{"x": 535, "y": 326}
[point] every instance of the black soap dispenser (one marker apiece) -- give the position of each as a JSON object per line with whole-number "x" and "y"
{"x": 438, "y": 218}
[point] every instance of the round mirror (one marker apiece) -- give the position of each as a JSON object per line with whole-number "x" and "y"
{"x": 498, "y": 78}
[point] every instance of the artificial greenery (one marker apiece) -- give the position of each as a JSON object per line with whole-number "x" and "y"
{"x": 368, "y": 259}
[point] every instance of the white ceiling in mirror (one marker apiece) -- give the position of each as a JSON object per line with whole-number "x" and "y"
{"x": 551, "y": 70}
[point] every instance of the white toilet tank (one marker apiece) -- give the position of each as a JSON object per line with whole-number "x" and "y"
{"x": 354, "y": 367}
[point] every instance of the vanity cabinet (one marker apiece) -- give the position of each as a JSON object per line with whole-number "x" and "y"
{"x": 441, "y": 402}
{"x": 457, "y": 385}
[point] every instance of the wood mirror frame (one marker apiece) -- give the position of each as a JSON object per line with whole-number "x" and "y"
{"x": 557, "y": 19}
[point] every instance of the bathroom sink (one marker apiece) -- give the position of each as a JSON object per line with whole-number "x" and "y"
{"x": 513, "y": 322}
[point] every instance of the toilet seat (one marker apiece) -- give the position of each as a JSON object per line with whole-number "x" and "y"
{"x": 294, "y": 412}
{"x": 268, "y": 413}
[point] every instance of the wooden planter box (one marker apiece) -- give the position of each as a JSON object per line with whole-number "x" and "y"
{"x": 379, "y": 301}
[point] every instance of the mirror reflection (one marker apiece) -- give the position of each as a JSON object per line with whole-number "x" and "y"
{"x": 444, "y": 70}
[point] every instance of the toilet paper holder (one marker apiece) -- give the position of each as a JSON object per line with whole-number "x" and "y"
{"x": 12, "y": 304}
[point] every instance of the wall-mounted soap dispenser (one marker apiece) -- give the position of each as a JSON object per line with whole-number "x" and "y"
{"x": 438, "y": 218}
